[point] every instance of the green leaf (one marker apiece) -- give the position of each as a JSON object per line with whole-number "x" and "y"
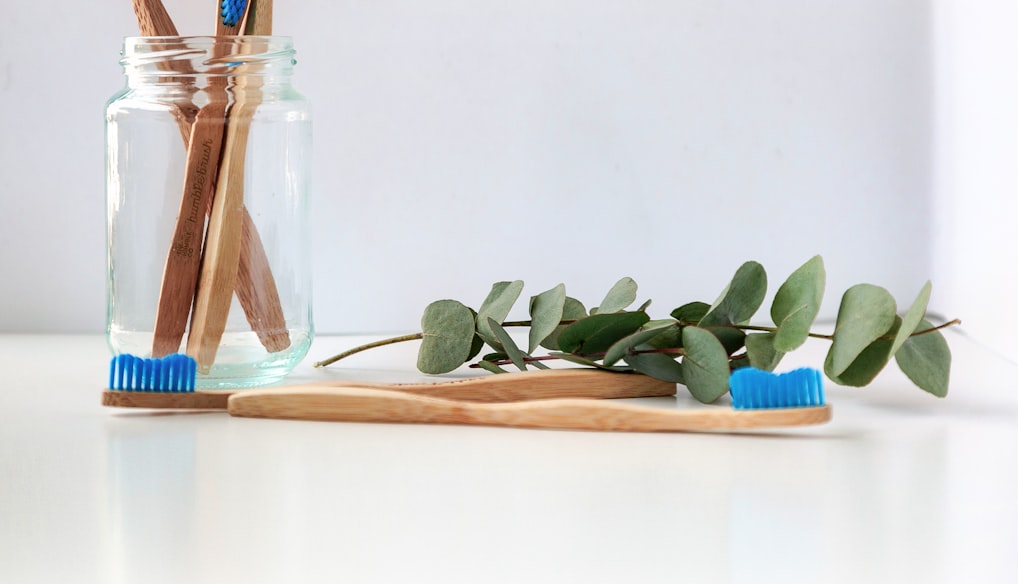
{"x": 761, "y": 352}
{"x": 586, "y": 362}
{"x": 741, "y": 298}
{"x": 545, "y": 314}
{"x": 448, "y": 332}
{"x": 912, "y": 318}
{"x": 866, "y": 313}
{"x": 657, "y": 365}
{"x": 621, "y": 295}
{"x": 507, "y": 342}
{"x": 691, "y": 313}
{"x": 926, "y": 360}
{"x": 797, "y": 304}
{"x": 705, "y": 366}
{"x": 870, "y": 362}
{"x": 489, "y": 366}
{"x": 477, "y": 343}
{"x": 619, "y": 349}
{"x": 496, "y": 306}
{"x": 598, "y": 332}
{"x": 669, "y": 337}
{"x": 732, "y": 339}
{"x": 573, "y": 309}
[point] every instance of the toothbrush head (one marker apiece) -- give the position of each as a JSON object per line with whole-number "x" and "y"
{"x": 754, "y": 389}
{"x": 174, "y": 373}
{"x": 232, "y": 11}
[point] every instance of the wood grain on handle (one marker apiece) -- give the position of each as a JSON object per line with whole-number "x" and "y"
{"x": 352, "y": 404}
{"x": 531, "y": 385}
{"x": 180, "y": 272}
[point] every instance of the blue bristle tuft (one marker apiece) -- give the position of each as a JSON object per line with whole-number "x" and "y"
{"x": 172, "y": 373}
{"x": 754, "y": 389}
{"x": 232, "y": 11}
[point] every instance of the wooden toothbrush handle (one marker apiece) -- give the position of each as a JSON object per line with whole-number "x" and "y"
{"x": 531, "y": 385}
{"x": 350, "y": 404}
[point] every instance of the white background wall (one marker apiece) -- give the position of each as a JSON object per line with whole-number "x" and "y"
{"x": 459, "y": 143}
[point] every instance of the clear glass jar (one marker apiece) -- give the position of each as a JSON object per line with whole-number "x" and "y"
{"x": 207, "y": 188}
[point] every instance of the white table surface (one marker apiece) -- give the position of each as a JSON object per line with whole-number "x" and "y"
{"x": 899, "y": 487}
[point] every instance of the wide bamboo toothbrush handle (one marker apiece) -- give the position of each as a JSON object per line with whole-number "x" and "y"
{"x": 352, "y": 404}
{"x": 546, "y": 384}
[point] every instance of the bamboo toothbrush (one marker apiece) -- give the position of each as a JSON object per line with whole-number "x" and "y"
{"x": 168, "y": 383}
{"x": 180, "y": 274}
{"x": 224, "y": 239}
{"x": 256, "y": 286}
{"x": 350, "y": 404}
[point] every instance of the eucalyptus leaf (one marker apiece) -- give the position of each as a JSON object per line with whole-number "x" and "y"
{"x": 447, "y": 334}
{"x": 545, "y": 314}
{"x": 691, "y": 313}
{"x": 866, "y": 313}
{"x": 926, "y": 360}
{"x": 598, "y": 332}
{"x": 657, "y": 365}
{"x": 477, "y": 342}
{"x": 913, "y": 317}
{"x": 507, "y": 342}
{"x": 489, "y": 366}
{"x": 572, "y": 310}
{"x": 868, "y": 364}
{"x": 761, "y": 352}
{"x": 797, "y": 303}
{"x": 732, "y": 339}
{"x": 626, "y": 344}
{"x": 705, "y": 366}
{"x": 496, "y": 306}
{"x": 621, "y": 295}
{"x": 577, "y": 359}
{"x": 741, "y": 298}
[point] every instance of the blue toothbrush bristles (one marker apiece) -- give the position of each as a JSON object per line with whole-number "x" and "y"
{"x": 232, "y": 10}
{"x": 754, "y": 389}
{"x": 172, "y": 373}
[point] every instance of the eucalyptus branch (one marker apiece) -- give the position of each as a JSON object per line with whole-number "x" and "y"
{"x": 868, "y": 333}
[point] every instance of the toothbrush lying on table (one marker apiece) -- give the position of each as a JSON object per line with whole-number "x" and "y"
{"x": 168, "y": 383}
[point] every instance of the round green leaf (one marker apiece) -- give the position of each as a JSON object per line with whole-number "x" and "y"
{"x": 621, "y": 295}
{"x": 866, "y": 313}
{"x": 448, "y": 331}
{"x": 691, "y": 313}
{"x": 797, "y": 303}
{"x": 545, "y": 314}
{"x": 645, "y": 335}
{"x": 741, "y": 299}
{"x": 598, "y": 332}
{"x": 657, "y": 365}
{"x": 496, "y": 306}
{"x": 926, "y": 360}
{"x": 912, "y": 318}
{"x": 870, "y": 362}
{"x": 573, "y": 309}
{"x": 761, "y": 352}
{"x": 705, "y": 366}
